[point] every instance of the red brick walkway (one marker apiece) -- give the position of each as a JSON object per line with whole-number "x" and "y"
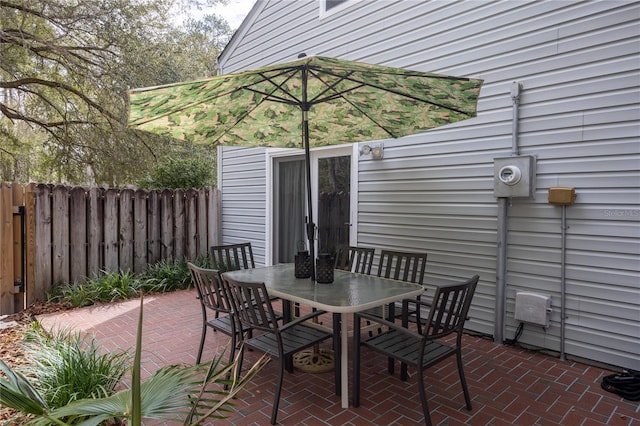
{"x": 508, "y": 386}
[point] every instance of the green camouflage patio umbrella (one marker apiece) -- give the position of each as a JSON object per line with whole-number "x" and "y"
{"x": 314, "y": 101}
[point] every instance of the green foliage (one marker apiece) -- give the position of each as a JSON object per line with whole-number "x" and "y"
{"x": 106, "y": 287}
{"x": 173, "y": 393}
{"x": 181, "y": 172}
{"x": 165, "y": 276}
{"x": 66, "y": 367}
{"x": 64, "y": 75}
{"x": 161, "y": 277}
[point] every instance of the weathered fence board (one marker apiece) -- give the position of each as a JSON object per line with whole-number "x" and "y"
{"x": 75, "y": 233}
{"x": 111, "y": 231}
{"x": 78, "y": 235}
{"x": 44, "y": 258}
{"x": 179, "y": 232}
{"x": 6, "y": 248}
{"x": 153, "y": 219}
{"x": 126, "y": 230}
{"x": 18, "y": 274}
{"x": 140, "y": 231}
{"x": 166, "y": 224}
{"x": 30, "y": 240}
{"x": 192, "y": 233}
{"x": 60, "y": 244}
{"x": 94, "y": 230}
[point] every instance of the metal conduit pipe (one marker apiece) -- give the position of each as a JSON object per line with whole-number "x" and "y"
{"x": 563, "y": 256}
{"x": 501, "y": 271}
{"x": 503, "y": 225}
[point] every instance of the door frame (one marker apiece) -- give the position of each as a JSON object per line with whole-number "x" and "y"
{"x": 273, "y": 155}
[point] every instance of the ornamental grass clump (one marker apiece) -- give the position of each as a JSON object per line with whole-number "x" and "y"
{"x": 105, "y": 287}
{"x": 66, "y": 366}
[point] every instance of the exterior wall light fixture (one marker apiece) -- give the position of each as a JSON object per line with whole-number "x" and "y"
{"x": 373, "y": 151}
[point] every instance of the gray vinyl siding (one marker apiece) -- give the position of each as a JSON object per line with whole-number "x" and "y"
{"x": 243, "y": 185}
{"x": 578, "y": 63}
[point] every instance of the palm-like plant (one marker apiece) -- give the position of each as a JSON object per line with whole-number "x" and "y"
{"x": 174, "y": 393}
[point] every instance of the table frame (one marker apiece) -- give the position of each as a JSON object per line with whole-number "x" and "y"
{"x": 343, "y": 296}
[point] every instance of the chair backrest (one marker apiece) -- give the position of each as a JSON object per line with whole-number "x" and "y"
{"x": 231, "y": 257}
{"x": 449, "y": 309}
{"x": 251, "y": 305}
{"x": 211, "y": 291}
{"x": 404, "y": 266}
{"x": 356, "y": 259}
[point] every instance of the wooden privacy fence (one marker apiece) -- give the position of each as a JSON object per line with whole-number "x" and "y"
{"x": 51, "y": 235}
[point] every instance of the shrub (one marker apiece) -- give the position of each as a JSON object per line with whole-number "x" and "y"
{"x": 181, "y": 172}
{"x": 107, "y": 287}
{"x": 165, "y": 276}
{"x": 66, "y": 367}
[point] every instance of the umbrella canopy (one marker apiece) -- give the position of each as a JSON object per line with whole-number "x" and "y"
{"x": 314, "y": 101}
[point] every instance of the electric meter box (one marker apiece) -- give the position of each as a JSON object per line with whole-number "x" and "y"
{"x": 514, "y": 176}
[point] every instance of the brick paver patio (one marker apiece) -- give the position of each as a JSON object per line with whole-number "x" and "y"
{"x": 508, "y": 386}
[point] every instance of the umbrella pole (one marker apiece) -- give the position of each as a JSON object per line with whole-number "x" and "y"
{"x": 315, "y": 360}
{"x": 310, "y": 225}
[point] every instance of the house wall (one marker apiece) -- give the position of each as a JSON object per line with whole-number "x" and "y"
{"x": 578, "y": 63}
{"x": 241, "y": 179}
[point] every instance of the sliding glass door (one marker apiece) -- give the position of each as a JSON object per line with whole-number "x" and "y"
{"x": 331, "y": 190}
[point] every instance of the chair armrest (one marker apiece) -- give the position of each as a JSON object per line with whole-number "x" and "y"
{"x": 301, "y": 319}
{"x": 392, "y": 325}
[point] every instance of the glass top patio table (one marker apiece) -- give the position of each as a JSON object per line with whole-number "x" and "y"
{"x": 348, "y": 293}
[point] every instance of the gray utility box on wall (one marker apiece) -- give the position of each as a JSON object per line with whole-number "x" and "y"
{"x": 514, "y": 176}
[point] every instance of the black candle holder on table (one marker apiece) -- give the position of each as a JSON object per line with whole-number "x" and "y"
{"x": 324, "y": 268}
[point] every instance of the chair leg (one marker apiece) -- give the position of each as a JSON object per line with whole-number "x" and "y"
{"x": 463, "y": 381}
{"x": 403, "y": 372}
{"x": 423, "y": 398}
{"x": 202, "y": 337}
{"x": 276, "y": 402}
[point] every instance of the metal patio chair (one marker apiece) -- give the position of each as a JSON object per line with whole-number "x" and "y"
{"x": 280, "y": 342}
{"x": 447, "y": 314}
{"x": 231, "y": 257}
{"x": 356, "y": 259}
{"x": 404, "y": 266}
{"x": 213, "y": 299}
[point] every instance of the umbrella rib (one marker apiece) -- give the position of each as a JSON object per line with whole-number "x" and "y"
{"x": 340, "y": 94}
{"x": 280, "y": 88}
{"x": 396, "y": 92}
{"x": 268, "y": 96}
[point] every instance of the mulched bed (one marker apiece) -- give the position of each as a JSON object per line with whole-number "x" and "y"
{"x": 11, "y": 349}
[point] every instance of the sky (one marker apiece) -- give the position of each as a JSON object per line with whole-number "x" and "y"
{"x": 234, "y": 12}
